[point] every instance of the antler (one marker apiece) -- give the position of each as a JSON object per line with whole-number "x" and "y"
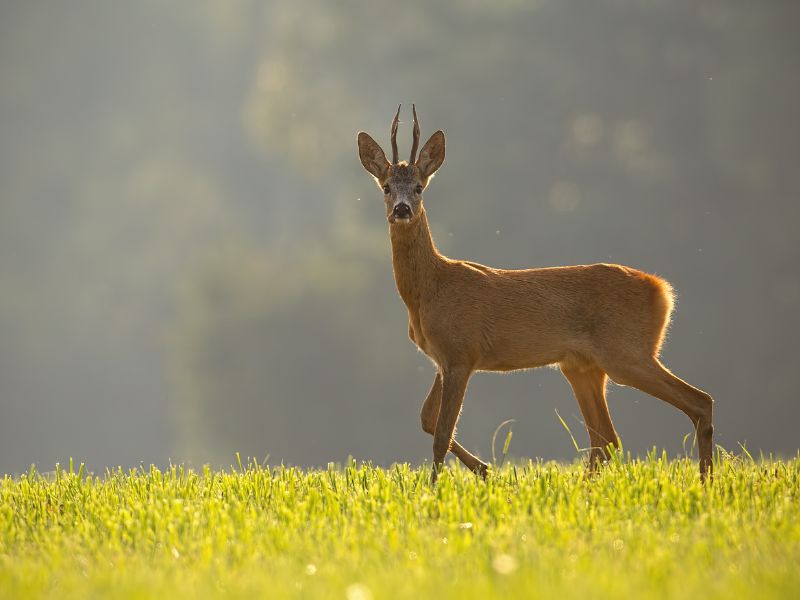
{"x": 395, "y": 122}
{"x": 416, "y": 137}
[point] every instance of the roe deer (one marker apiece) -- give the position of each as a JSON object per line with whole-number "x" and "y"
{"x": 593, "y": 321}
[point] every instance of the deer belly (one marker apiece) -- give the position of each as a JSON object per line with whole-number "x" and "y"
{"x": 515, "y": 365}
{"x": 513, "y": 358}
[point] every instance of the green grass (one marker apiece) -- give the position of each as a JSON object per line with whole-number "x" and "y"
{"x": 639, "y": 529}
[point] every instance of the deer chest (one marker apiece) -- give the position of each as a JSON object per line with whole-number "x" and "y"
{"x": 416, "y": 334}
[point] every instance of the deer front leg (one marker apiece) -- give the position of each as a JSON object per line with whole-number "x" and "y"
{"x": 454, "y": 384}
{"x": 430, "y": 415}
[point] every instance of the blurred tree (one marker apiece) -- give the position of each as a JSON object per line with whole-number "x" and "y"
{"x": 577, "y": 104}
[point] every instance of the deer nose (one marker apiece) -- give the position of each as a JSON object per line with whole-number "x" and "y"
{"x": 402, "y": 211}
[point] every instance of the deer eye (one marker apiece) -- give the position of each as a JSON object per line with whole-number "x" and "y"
{"x": 419, "y": 189}
{"x": 386, "y": 190}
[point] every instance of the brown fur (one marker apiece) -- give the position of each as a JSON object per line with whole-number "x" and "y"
{"x": 593, "y": 321}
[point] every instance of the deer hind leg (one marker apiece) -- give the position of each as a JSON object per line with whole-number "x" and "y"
{"x": 589, "y": 387}
{"x": 653, "y": 378}
{"x": 429, "y": 415}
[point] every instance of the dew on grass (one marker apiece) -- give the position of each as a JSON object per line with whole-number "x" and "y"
{"x": 358, "y": 591}
{"x": 504, "y": 564}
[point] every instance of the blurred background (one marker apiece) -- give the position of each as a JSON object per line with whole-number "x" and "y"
{"x": 193, "y": 262}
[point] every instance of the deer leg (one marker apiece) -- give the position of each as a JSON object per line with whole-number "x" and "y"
{"x": 653, "y": 378}
{"x": 454, "y": 384}
{"x": 589, "y": 387}
{"x": 430, "y": 414}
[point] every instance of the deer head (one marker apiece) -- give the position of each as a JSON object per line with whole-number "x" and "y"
{"x": 402, "y": 182}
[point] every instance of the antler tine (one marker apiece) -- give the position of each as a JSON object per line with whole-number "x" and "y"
{"x": 395, "y": 122}
{"x": 416, "y": 137}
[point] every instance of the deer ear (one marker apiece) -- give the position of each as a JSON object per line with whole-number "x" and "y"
{"x": 372, "y": 157}
{"x": 431, "y": 156}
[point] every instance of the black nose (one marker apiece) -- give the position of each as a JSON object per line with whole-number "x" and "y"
{"x": 402, "y": 211}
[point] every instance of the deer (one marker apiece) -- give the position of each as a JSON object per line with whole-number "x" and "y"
{"x": 593, "y": 322}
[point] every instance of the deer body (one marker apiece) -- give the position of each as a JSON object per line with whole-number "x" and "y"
{"x": 504, "y": 320}
{"x": 593, "y": 321}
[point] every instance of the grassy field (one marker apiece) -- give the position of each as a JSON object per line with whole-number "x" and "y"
{"x": 643, "y": 529}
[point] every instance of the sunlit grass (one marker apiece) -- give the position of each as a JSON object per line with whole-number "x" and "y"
{"x": 644, "y": 528}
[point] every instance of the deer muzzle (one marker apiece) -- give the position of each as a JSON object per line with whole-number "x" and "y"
{"x": 401, "y": 211}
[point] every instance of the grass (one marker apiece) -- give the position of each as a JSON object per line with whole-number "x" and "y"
{"x": 639, "y": 528}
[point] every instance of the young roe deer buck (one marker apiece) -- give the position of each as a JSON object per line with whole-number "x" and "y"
{"x": 593, "y": 321}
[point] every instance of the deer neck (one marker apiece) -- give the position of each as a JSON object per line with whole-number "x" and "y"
{"x": 414, "y": 260}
